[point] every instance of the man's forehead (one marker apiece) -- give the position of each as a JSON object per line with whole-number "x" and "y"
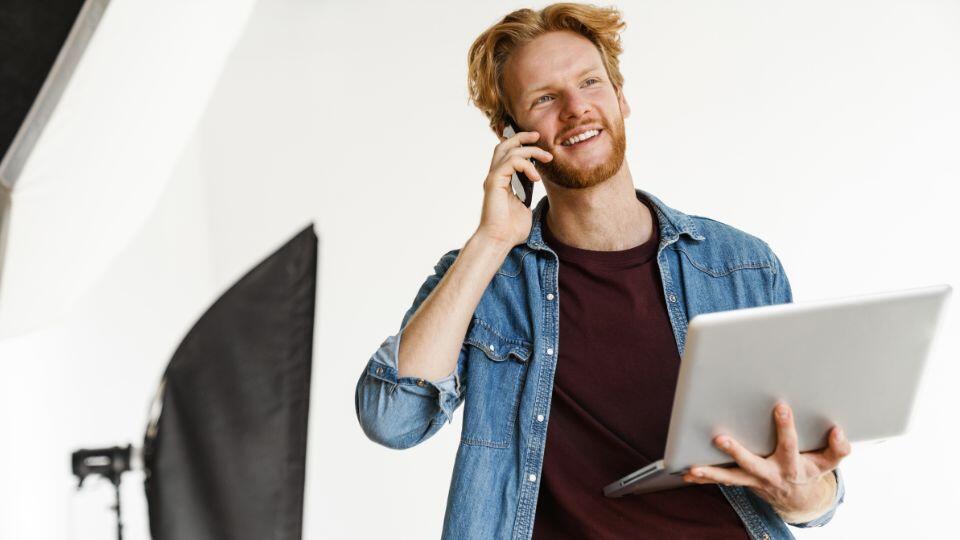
{"x": 550, "y": 59}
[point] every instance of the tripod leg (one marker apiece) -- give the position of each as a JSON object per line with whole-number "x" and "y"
{"x": 116, "y": 507}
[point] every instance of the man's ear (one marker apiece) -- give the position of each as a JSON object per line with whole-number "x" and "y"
{"x": 502, "y": 124}
{"x": 624, "y": 106}
{"x": 499, "y": 127}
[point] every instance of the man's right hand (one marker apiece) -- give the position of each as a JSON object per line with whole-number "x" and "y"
{"x": 433, "y": 337}
{"x": 504, "y": 218}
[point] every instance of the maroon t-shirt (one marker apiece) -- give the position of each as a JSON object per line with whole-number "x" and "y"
{"x": 617, "y": 367}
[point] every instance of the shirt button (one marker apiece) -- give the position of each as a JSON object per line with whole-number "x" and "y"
{"x": 379, "y": 371}
{"x": 539, "y": 418}
{"x": 550, "y": 352}
{"x": 492, "y": 348}
{"x": 550, "y": 296}
{"x": 532, "y": 478}
{"x": 673, "y": 298}
{"x": 421, "y": 382}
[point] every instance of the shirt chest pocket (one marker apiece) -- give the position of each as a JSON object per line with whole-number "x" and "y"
{"x": 496, "y": 369}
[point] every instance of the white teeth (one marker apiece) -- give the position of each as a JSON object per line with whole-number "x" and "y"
{"x": 583, "y": 136}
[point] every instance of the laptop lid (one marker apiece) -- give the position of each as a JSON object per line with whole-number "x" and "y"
{"x": 854, "y": 362}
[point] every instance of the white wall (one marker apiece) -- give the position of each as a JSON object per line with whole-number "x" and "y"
{"x": 830, "y": 129}
{"x": 109, "y": 148}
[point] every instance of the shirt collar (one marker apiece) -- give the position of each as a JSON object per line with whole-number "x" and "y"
{"x": 673, "y": 223}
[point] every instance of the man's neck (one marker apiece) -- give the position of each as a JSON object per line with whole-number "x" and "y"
{"x": 605, "y": 217}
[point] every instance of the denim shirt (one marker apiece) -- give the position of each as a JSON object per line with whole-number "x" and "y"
{"x": 506, "y": 365}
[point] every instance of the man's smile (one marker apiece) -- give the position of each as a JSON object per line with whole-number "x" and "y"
{"x": 583, "y": 140}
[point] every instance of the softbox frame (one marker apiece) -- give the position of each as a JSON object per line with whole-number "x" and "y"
{"x": 226, "y": 456}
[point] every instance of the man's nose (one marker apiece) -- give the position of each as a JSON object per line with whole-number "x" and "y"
{"x": 574, "y": 105}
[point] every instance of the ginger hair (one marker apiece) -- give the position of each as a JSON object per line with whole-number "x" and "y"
{"x": 493, "y": 48}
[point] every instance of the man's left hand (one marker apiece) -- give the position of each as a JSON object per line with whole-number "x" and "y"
{"x": 799, "y": 486}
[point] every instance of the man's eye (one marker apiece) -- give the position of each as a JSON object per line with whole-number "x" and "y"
{"x": 540, "y": 99}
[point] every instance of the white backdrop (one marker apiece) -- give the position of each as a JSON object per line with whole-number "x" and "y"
{"x": 109, "y": 149}
{"x": 828, "y": 128}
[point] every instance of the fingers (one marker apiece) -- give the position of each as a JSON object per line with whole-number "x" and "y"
{"x": 517, "y": 161}
{"x": 524, "y": 137}
{"x": 510, "y": 157}
{"x": 525, "y": 152}
{"x": 501, "y": 176}
{"x": 719, "y": 475}
{"x": 838, "y": 447}
{"x": 746, "y": 459}
{"x": 532, "y": 152}
{"x": 522, "y": 142}
{"x": 786, "y": 430}
{"x": 518, "y": 140}
{"x": 527, "y": 168}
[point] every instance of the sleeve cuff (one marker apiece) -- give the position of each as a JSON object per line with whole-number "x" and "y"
{"x": 828, "y": 515}
{"x": 383, "y": 366}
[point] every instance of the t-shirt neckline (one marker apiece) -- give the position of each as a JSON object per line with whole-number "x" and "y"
{"x": 621, "y": 258}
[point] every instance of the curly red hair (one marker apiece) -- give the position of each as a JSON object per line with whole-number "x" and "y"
{"x": 491, "y": 50}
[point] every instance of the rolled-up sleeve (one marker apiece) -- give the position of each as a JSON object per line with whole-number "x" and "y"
{"x": 400, "y": 412}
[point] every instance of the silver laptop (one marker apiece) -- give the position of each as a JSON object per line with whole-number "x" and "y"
{"x": 854, "y": 362}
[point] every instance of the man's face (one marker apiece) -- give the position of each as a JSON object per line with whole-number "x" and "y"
{"x": 557, "y": 86}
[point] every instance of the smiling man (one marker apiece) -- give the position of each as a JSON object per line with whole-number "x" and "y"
{"x": 560, "y": 329}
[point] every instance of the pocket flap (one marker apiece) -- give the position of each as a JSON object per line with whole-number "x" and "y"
{"x": 495, "y": 346}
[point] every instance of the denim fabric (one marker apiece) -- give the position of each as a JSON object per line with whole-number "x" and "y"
{"x": 504, "y": 374}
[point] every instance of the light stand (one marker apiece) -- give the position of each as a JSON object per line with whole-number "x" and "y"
{"x": 110, "y": 463}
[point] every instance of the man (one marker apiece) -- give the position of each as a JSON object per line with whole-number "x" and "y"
{"x": 488, "y": 329}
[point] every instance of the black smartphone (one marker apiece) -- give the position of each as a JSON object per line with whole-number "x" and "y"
{"x": 522, "y": 186}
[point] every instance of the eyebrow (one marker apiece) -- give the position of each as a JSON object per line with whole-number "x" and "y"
{"x": 546, "y": 86}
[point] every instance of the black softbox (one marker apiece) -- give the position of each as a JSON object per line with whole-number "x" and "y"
{"x": 225, "y": 457}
